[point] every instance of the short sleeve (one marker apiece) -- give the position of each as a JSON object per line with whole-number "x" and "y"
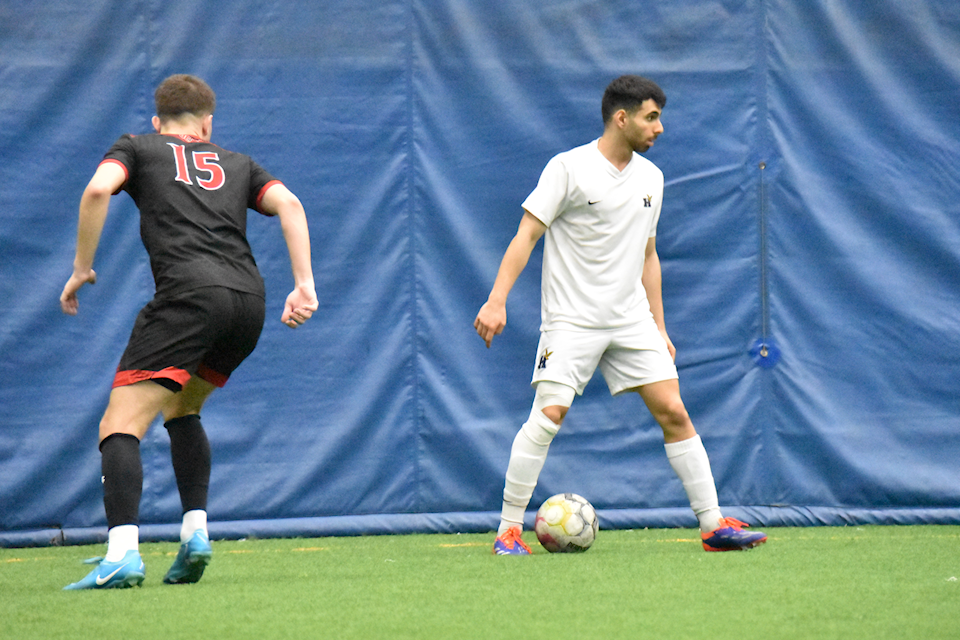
{"x": 123, "y": 153}
{"x": 546, "y": 201}
{"x": 260, "y": 181}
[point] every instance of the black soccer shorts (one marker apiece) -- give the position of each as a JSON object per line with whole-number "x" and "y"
{"x": 206, "y": 332}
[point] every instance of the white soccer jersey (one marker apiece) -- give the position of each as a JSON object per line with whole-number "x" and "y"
{"x": 598, "y": 223}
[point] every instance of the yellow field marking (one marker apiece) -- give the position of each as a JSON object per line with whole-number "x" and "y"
{"x": 679, "y": 540}
{"x": 159, "y": 553}
{"x": 12, "y": 560}
{"x": 464, "y": 544}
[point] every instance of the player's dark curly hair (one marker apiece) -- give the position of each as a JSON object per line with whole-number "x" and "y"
{"x": 629, "y": 92}
{"x": 180, "y": 94}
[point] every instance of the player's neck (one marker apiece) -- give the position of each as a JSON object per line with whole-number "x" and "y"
{"x": 193, "y": 127}
{"x": 182, "y": 131}
{"x": 616, "y": 150}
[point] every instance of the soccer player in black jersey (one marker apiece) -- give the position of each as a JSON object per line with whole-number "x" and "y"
{"x": 205, "y": 318}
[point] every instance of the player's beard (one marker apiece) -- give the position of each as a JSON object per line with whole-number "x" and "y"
{"x": 640, "y": 145}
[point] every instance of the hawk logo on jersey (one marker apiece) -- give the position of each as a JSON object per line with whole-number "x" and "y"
{"x": 543, "y": 359}
{"x": 648, "y": 201}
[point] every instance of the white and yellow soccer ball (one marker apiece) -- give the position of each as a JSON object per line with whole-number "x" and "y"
{"x": 566, "y": 523}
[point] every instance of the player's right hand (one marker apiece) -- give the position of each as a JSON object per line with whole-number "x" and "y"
{"x": 490, "y": 321}
{"x": 68, "y": 299}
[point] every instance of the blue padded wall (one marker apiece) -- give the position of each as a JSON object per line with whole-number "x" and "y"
{"x": 812, "y": 208}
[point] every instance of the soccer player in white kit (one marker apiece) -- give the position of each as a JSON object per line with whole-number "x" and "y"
{"x": 597, "y": 207}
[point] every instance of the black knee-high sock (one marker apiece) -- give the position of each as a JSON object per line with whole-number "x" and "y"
{"x": 122, "y": 478}
{"x": 190, "y": 452}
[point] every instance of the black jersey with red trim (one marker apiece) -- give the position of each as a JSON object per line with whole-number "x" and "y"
{"x": 193, "y": 198}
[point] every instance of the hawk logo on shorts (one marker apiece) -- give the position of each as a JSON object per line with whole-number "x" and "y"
{"x": 543, "y": 359}
{"x": 648, "y": 201}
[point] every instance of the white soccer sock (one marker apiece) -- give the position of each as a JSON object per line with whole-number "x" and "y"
{"x": 193, "y": 520}
{"x": 691, "y": 464}
{"x": 121, "y": 539}
{"x": 527, "y": 456}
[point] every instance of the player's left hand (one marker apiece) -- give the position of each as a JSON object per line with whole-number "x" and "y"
{"x": 300, "y": 305}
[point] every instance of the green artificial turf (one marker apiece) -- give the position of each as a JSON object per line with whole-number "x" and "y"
{"x": 849, "y": 582}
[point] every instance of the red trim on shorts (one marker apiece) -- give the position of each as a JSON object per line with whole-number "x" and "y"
{"x": 263, "y": 192}
{"x": 215, "y": 378}
{"x": 124, "y": 378}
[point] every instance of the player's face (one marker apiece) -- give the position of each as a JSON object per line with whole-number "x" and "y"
{"x": 643, "y": 127}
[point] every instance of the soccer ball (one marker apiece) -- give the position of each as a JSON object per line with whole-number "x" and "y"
{"x": 566, "y": 523}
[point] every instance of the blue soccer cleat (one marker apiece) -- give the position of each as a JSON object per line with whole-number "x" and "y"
{"x": 128, "y": 572}
{"x": 509, "y": 543}
{"x": 730, "y": 536}
{"x": 192, "y": 558}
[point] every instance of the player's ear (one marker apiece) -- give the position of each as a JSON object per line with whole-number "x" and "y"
{"x": 207, "y": 127}
{"x": 155, "y": 121}
{"x": 621, "y": 117}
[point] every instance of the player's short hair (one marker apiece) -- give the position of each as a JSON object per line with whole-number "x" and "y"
{"x": 628, "y": 93}
{"x": 181, "y": 94}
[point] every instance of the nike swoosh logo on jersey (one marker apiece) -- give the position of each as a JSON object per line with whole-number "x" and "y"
{"x": 104, "y": 580}
{"x": 592, "y": 202}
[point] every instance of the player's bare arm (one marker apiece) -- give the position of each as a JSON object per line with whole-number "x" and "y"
{"x": 94, "y": 205}
{"x": 302, "y": 301}
{"x": 651, "y": 281}
{"x": 492, "y": 317}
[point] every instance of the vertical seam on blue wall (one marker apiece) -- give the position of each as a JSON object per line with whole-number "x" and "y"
{"x": 764, "y": 435}
{"x": 414, "y": 221}
{"x": 763, "y": 124}
{"x": 764, "y": 300}
{"x": 765, "y": 352}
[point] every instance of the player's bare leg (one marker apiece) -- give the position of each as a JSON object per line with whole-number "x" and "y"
{"x": 663, "y": 401}
{"x": 188, "y": 400}
{"x": 132, "y": 409}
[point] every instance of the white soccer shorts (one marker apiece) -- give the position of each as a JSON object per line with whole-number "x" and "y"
{"x": 628, "y": 357}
